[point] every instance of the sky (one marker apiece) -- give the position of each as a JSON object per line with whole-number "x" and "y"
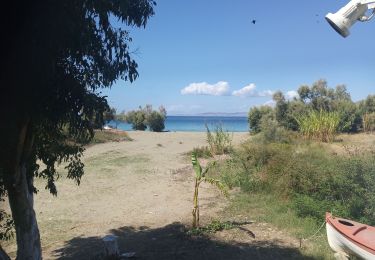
{"x": 208, "y": 56}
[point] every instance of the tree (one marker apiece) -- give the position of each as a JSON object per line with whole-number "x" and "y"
{"x": 56, "y": 56}
{"x": 137, "y": 118}
{"x": 281, "y": 108}
{"x": 155, "y": 119}
{"x": 255, "y": 117}
{"x": 144, "y": 117}
{"x": 109, "y": 115}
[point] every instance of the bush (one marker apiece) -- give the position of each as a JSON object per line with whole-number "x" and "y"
{"x": 313, "y": 180}
{"x": 202, "y": 152}
{"x": 155, "y": 121}
{"x": 137, "y": 119}
{"x": 144, "y": 117}
{"x": 220, "y": 142}
{"x": 271, "y": 132}
{"x": 255, "y": 117}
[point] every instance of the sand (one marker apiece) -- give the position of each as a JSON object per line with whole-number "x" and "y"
{"x": 141, "y": 191}
{"x": 147, "y": 182}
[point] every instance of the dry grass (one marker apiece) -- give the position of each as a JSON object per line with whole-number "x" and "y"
{"x": 345, "y": 144}
{"x": 104, "y": 136}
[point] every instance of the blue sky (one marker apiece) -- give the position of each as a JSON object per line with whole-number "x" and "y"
{"x": 207, "y": 56}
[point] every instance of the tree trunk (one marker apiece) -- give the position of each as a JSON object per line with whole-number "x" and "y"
{"x": 22, "y": 205}
{"x": 3, "y": 254}
{"x": 19, "y": 185}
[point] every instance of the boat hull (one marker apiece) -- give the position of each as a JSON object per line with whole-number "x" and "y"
{"x": 350, "y": 238}
{"x": 341, "y": 244}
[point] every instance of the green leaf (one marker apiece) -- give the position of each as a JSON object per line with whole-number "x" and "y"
{"x": 197, "y": 167}
{"x": 222, "y": 188}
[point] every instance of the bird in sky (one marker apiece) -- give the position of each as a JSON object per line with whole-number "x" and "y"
{"x": 254, "y": 21}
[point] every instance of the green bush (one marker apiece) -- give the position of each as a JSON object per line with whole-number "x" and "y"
{"x": 144, "y": 117}
{"x": 272, "y": 132}
{"x": 255, "y": 117}
{"x": 313, "y": 180}
{"x": 137, "y": 119}
{"x": 220, "y": 141}
{"x": 155, "y": 121}
{"x": 202, "y": 152}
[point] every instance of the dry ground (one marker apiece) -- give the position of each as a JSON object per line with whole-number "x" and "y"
{"x": 345, "y": 144}
{"x": 142, "y": 191}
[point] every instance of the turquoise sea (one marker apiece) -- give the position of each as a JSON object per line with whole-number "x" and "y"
{"x": 197, "y": 123}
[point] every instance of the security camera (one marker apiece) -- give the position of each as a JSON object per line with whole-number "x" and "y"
{"x": 354, "y": 11}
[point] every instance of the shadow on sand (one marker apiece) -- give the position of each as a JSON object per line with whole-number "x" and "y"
{"x": 172, "y": 242}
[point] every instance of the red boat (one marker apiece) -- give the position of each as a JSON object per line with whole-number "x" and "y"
{"x": 350, "y": 238}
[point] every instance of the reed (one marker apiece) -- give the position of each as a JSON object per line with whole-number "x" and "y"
{"x": 319, "y": 125}
{"x": 368, "y": 122}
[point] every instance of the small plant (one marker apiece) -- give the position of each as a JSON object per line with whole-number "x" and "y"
{"x": 220, "y": 142}
{"x": 202, "y": 152}
{"x": 214, "y": 226}
{"x": 200, "y": 176}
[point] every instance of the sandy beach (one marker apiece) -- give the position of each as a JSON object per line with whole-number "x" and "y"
{"x": 147, "y": 182}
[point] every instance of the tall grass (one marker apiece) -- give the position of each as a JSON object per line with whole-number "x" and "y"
{"x": 368, "y": 122}
{"x": 311, "y": 178}
{"x": 319, "y": 125}
{"x": 219, "y": 141}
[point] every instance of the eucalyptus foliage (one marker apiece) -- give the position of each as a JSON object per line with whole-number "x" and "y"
{"x": 57, "y": 56}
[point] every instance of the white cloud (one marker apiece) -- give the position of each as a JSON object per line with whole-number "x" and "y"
{"x": 291, "y": 94}
{"x": 245, "y": 91}
{"x": 249, "y": 91}
{"x": 221, "y": 88}
{"x": 270, "y": 103}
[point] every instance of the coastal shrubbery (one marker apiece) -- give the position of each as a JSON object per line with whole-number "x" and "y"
{"x": 312, "y": 179}
{"x": 146, "y": 117}
{"x": 318, "y": 112}
{"x": 219, "y": 141}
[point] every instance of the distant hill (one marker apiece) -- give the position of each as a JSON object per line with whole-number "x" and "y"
{"x": 234, "y": 114}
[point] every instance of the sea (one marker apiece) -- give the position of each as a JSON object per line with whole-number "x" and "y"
{"x": 197, "y": 123}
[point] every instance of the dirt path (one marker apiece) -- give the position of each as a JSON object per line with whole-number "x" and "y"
{"x": 142, "y": 192}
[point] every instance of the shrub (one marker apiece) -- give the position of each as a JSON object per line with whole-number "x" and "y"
{"x": 220, "y": 142}
{"x": 313, "y": 180}
{"x": 137, "y": 119}
{"x": 271, "y": 132}
{"x": 155, "y": 121}
{"x": 255, "y": 116}
{"x": 144, "y": 117}
{"x": 202, "y": 152}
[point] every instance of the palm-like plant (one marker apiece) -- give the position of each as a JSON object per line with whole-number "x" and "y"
{"x": 200, "y": 176}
